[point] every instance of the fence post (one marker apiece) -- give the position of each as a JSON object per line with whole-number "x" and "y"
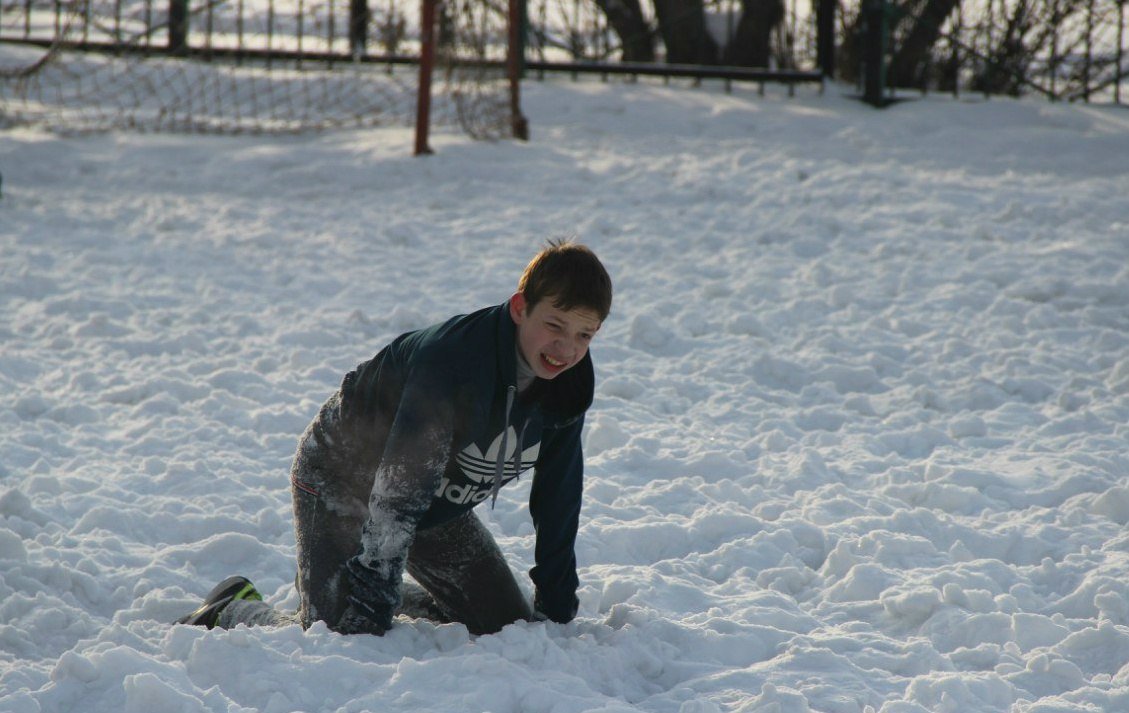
{"x": 515, "y": 62}
{"x": 426, "y": 63}
{"x": 954, "y": 48}
{"x": 1088, "y": 59}
{"x": 1120, "y": 50}
{"x": 178, "y": 26}
{"x": 825, "y": 37}
{"x": 358, "y": 27}
{"x": 1054, "y": 58}
{"x": 874, "y": 52}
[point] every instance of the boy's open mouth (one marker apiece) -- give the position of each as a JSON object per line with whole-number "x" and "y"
{"x": 552, "y": 363}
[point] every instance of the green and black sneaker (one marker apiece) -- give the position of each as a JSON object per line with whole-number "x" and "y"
{"x": 221, "y": 595}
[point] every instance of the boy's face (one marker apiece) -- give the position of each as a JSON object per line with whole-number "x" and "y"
{"x": 552, "y": 340}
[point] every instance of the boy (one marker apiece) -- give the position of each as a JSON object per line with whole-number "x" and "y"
{"x": 386, "y": 476}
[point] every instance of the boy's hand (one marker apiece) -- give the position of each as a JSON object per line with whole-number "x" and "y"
{"x": 354, "y": 622}
{"x": 373, "y": 594}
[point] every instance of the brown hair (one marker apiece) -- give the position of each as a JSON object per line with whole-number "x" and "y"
{"x": 570, "y": 275}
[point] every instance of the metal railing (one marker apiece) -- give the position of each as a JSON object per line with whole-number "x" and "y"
{"x": 1062, "y": 49}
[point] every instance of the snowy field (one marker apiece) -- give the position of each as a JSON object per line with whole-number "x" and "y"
{"x": 860, "y": 439}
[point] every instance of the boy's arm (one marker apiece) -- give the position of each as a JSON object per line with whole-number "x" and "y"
{"x": 554, "y": 503}
{"x": 415, "y": 456}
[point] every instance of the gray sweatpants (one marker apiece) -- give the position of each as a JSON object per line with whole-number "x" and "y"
{"x": 462, "y": 574}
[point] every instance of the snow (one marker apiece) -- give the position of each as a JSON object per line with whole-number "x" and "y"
{"x": 860, "y": 439}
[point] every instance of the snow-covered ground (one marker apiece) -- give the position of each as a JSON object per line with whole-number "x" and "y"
{"x": 860, "y": 440}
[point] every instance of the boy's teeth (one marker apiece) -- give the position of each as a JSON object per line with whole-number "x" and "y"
{"x": 553, "y": 361}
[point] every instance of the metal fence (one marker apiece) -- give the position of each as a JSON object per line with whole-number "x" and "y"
{"x": 561, "y": 35}
{"x": 1062, "y": 49}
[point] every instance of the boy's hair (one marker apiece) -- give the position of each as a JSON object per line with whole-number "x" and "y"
{"x": 570, "y": 275}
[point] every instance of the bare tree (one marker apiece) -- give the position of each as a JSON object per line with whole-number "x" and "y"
{"x": 682, "y": 24}
{"x": 919, "y": 30}
{"x": 751, "y": 45}
{"x": 635, "y": 34}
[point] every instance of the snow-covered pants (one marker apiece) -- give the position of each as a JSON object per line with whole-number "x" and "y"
{"x": 462, "y": 574}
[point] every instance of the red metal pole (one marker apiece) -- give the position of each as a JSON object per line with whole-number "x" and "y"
{"x": 426, "y": 64}
{"x": 1120, "y": 49}
{"x": 514, "y": 52}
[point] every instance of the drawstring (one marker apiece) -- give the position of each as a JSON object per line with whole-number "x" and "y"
{"x": 500, "y": 465}
{"x": 517, "y": 451}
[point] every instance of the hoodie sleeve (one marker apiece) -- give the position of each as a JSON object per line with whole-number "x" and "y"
{"x": 554, "y": 503}
{"x": 415, "y": 455}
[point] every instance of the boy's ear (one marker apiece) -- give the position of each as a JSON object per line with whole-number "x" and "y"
{"x": 517, "y": 307}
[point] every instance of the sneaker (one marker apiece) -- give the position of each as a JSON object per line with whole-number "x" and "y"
{"x": 221, "y": 595}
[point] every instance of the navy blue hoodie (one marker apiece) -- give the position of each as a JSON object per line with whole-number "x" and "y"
{"x": 439, "y": 414}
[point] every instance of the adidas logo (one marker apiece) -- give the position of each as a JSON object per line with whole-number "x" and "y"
{"x": 479, "y": 468}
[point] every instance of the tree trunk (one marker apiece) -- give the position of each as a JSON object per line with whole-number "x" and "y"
{"x": 910, "y": 59}
{"x": 1010, "y": 60}
{"x": 626, "y": 18}
{"x": 683, "y": 27}
{"x": 750, "y": 46}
